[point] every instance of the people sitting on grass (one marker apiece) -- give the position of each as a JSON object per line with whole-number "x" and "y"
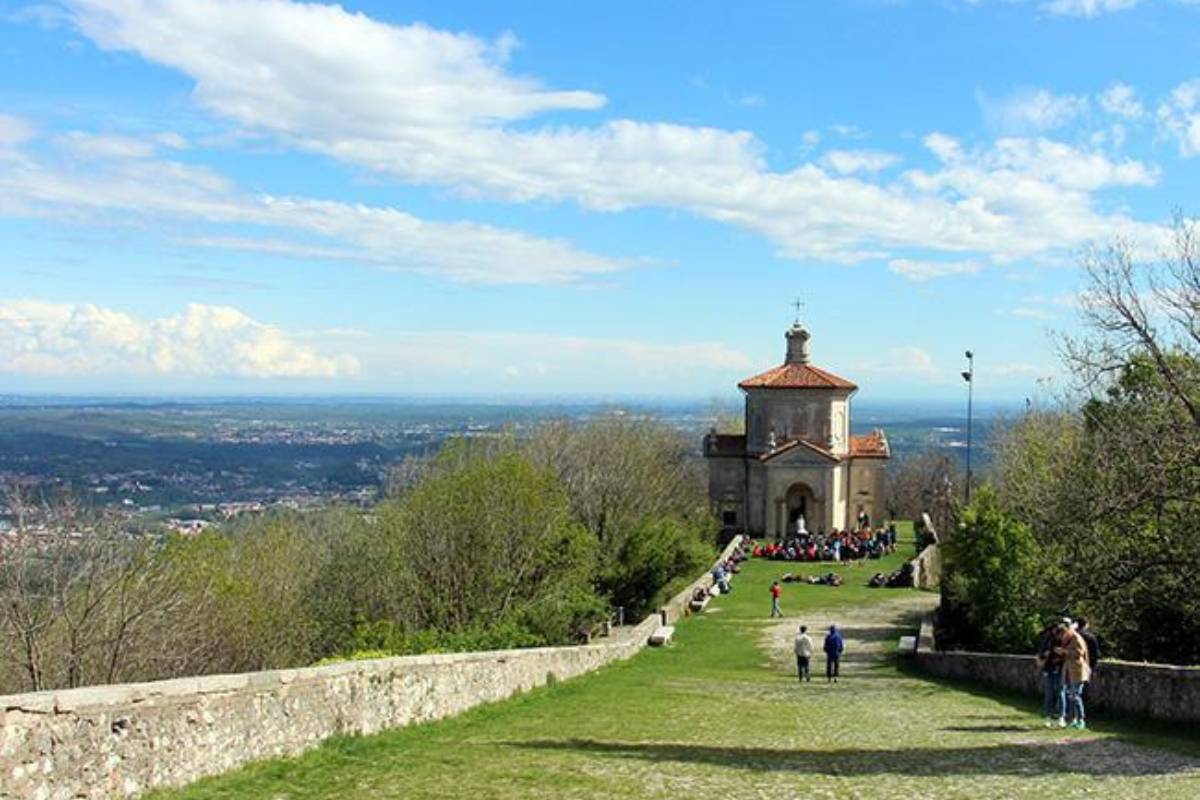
{"x": 721, "y": 579}
{"x": 837, "y": 546}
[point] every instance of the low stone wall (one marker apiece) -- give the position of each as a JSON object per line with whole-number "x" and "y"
{"x": 1157, "y": 691}
{"x": 679, "y": 606}
{"x": 927, "y": 568}
{"x": 118, "y": 741}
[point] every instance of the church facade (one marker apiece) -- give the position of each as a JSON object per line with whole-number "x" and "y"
{"x": 797, "y": 457}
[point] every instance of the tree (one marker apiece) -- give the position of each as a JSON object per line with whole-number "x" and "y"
{"x": 993, "y": 571}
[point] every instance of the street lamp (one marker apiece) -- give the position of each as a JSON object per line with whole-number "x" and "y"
{"x": 969, "y": 377}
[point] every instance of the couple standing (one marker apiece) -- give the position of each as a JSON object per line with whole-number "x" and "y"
{"x": 834, "y": 645}
{"x": 1066, "y": 655}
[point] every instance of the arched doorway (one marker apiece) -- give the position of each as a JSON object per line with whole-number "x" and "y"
{"x": 800, "y": 501}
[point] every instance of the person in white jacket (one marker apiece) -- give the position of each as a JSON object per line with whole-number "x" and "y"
{"x": 804, "y": 651}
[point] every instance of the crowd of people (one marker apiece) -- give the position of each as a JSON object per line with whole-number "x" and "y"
{"x": 837, "y": 545}
{"x": 1067, "y": 654}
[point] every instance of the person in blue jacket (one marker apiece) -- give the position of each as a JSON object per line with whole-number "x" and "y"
{"x": 834, "y": 645}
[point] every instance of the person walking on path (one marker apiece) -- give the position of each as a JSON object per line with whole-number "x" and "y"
{"x": 834, "y": 645}
{"x": 776, "y": 611}
{"x": 1077, "y": 672}
{"x": 804, "y": 651}
{"x": 1050, "y": 662}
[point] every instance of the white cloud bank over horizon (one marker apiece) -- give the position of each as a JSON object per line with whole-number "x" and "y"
{"x": 62, "y": 339}
{"x": 40, "y": 339}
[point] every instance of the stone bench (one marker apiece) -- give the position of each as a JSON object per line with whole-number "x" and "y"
{"x": 699, "y": 605}
{"x": 662, "y": 635}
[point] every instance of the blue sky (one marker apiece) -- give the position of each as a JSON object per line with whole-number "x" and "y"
{"x": 257, "y": 196}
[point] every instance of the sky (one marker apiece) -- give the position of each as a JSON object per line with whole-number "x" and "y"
{"x": 601, "y": 199}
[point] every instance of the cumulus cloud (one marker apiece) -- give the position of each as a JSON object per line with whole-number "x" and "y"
{"x": 124, "y": 179}
{"x": 60, "y": 339}
{"x": 927, "y": 270}
{"x": 1179, "y": 117}
{"x": 1088, "y": 8}
{"x": 1033, "y": 110}
{"x": 433, "y": 107}
{"x": 1121, "y": 100}
{"x": 848, "y": 162}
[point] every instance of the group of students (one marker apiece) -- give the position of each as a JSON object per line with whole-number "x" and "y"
{"x": 834, "y": 646}
{"x": 1067, "y": 654}
{"x": 836, "y": 546}
{"x": 722, "y": 571}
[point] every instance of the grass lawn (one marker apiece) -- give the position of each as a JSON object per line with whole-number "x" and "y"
{"x": 719, "y": 713}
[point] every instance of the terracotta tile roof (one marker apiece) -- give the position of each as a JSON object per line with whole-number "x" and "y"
{"x": 792, "y": 445}
{"x": 870, "y": 445}
{"x": 796, "y": 376}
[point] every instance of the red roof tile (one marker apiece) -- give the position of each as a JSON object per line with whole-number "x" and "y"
{"x": 796, "y": 376}
{"x": 870, "y": 445}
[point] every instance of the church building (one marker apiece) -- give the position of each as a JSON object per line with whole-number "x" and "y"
{"x": 797, "y": 456}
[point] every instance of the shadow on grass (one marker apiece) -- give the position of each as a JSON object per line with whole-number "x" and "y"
{"x": 1079, "y": 756}
{"x": 1183, "y": 739}
{"x": 985, "y": 728}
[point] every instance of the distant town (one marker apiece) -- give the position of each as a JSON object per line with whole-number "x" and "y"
{"x": 186, "y": 466}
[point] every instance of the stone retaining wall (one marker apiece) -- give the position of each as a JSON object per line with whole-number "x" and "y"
{"x": 679, "y": 606}
{"x": 1157, "y": 691}
{"x": 121, "y": 740}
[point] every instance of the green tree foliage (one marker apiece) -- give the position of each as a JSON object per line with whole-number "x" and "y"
{"x": 1110, "y": 485}
{"x": 495, "y": 543}
{"x": 656, "y": 555}
{"x": 993, "y": 570}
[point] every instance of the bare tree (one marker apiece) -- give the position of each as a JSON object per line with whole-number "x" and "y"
{"x": 1136, "y": 306}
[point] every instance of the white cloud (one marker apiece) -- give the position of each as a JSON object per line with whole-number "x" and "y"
{"x": 1028, "y": 312}
{"x": 474, "y": 361}
{"x": 432, "y": 107}
{"x": 1087, "y": 8}
{"x": 927, "y": 270}
{"x": 909, "y": 361}
{"x": 14, "y": 131}
{"x": 58, "y": 339}
{"x": 1013, "y": 369}
{"x": 1179, "y": 117}
{"x": 1033, "y": 111}
{"x": 848, "y": 162}
{"x": 122, "y": 184}
{"x": 1121, "y": 100}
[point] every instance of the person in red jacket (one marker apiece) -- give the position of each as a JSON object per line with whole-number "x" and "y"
{"x": 776, "y": 591}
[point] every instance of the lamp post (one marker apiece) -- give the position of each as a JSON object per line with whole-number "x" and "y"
{"x": 969, "y": 377}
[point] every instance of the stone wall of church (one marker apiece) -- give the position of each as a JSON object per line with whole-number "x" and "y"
{"x": 818, "y": 478}
{"x": 797, "y": 414}
{"x": 867, "y": 488}
{"x": 727, "y": 488}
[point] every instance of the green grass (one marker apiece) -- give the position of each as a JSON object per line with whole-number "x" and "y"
{"x": 719, "y": 714}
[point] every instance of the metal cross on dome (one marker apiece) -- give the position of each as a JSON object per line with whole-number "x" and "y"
{"x": 799, "y": 306}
